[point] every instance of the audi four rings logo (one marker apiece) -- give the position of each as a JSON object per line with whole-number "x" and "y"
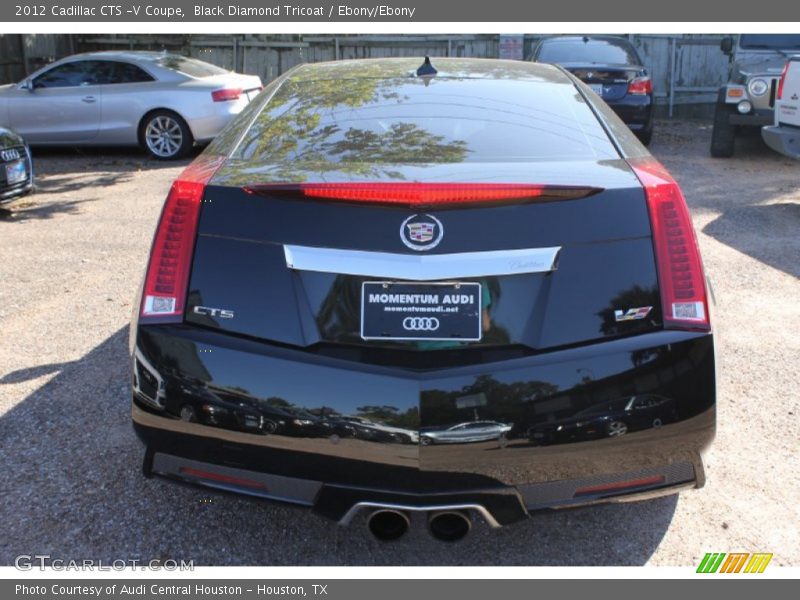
{"x": 420, "y": 323}
{"x": 12, "y": 154}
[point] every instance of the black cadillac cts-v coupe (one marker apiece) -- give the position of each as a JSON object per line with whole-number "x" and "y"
{"x": 377, "y": 249}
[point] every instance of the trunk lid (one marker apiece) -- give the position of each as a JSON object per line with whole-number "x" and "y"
{"x": 610, "y": 82}
{"x": 605, "y": 261}
{"x": 248, "y": 83}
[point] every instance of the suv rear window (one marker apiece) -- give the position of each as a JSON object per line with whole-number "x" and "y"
{"x": 406, "y": 121}
{"x": 769, "y": 41}
{"x": 613, "y": 52}
{"x": 190, "y": 66}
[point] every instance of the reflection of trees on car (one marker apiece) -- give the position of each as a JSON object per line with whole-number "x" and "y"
{"x": 318, "y": 115}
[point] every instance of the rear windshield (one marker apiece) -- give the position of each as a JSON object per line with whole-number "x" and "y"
{"x": 614, "y": 52}
{"x": 190, "y": 66}
{"x": 446, "y": 120}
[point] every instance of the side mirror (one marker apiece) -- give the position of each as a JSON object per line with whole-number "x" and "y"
{"x": 27, "y": 85}
{"x": 726, "y": 45}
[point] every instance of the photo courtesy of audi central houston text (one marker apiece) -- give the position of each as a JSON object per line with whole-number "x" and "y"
{"x": 455, "y": 287}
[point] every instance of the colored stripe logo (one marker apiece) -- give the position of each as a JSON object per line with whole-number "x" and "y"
{"x": 735, "y": 562}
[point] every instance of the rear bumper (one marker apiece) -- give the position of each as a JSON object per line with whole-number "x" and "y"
{"x": 207, "y": 123}
{"x": 320, "y": 464}
{"x": 635, "y": 111}
{"x": 7, "y": 194}
{"x": 499, "y": 505}
{"x": 751, "y": 119}
{"x": 784, "y": 139}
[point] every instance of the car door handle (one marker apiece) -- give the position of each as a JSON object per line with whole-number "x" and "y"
{"x": 89, "y": 99}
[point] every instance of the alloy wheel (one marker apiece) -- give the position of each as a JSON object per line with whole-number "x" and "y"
{"x": 163, "y": 136}
{"x": 617, "y": 428}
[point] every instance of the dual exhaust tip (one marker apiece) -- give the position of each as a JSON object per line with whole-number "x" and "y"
{"x": 446, "y": 525}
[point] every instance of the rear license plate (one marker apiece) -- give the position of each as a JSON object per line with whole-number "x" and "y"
{"x": 420, "y": 311}
{"x": 597, "y": 88}
{"x": 16, "y": 172}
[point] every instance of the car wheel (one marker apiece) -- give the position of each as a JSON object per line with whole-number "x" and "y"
{"x": 188, "y": 414}
{"x": 723, "y": 134}
{"x": 166, "y": 136}
{"x": 616, "y": 429}
{"x": 269, "y": 427}
{"x": 425, "y": 440}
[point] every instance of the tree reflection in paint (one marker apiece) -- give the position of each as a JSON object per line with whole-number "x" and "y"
{"x": 312, "y": 128}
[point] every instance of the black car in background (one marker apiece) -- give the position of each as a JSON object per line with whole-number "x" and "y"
{"x": 16, "y": 168}
{"x": 613, "y": 69}
{"x": 610, "y": 419}
{"x": 395, "y": 250}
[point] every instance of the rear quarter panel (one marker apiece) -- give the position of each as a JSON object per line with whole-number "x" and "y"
{"x": 125, "y": 105}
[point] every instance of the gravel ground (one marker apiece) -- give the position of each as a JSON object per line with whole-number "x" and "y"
{"x": 69, "y": 469}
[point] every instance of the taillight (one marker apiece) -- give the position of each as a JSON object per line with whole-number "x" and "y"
{"x": 680, "y": 269}
{"x": 226, "y": 94}
{"x": 779, "y": 95}
{"x": 640, "y": 86}
{"x": 167, "y": 276}
{"x": 424, "y": 194}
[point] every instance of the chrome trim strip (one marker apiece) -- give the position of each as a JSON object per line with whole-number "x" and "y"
{"x": 350, "y": 514}
{"x": 414, "y": 267}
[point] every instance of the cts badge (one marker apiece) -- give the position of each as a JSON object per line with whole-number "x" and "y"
{"x": 421, "y": 232}
{"x": 213, "y": 312}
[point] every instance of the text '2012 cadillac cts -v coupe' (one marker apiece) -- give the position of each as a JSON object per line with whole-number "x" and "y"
{"x": 392, "y": 289}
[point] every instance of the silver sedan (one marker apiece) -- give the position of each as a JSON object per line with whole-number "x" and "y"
{"x": 463, "y": 433}
{"x": 162, "y": 102}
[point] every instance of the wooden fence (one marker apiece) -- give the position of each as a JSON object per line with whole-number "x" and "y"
{"x": 686, "y": 69}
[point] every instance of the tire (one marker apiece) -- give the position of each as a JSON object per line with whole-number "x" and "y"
{"x": 425, "y": 440}
{"x": 187, "y": 414}
{"x": 723, "y": 134}
{"x": 616, "y": 429}
{"x": 165, "y": 135}
{"x": 269, "y": 426}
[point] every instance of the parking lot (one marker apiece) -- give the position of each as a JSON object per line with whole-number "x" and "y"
{"x": 70, "y": 481}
